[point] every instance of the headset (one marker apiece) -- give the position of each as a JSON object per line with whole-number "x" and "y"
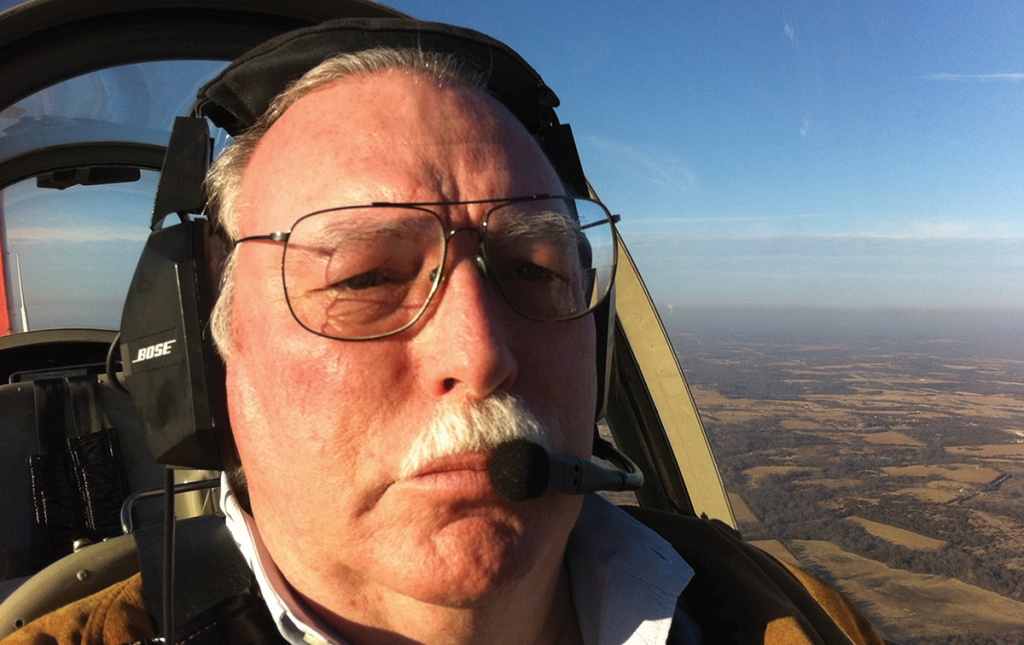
{"x": 171, "y": 368}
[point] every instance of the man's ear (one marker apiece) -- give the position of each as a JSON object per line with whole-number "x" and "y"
{"x": 218, "y": 253}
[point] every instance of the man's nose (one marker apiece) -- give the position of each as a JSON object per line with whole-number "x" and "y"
{"x": 464, "y": 346}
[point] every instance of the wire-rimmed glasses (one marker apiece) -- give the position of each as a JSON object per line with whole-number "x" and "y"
{"x": 364, "y": 272}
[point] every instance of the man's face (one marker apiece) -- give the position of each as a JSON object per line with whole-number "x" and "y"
{"x": 322, "y": 426}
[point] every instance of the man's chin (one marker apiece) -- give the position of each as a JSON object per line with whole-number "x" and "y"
{"x": 462, "y": 563}
{"x": 470, "y": 556}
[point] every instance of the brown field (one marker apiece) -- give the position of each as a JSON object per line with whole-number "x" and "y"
{"x": 817, "y": 412}
{"x": 998, "y": 406}
{"x": 776, "y": 549}
{"x": 962, "y": 473}
{"x": 940, "y": 606}
{"x": 709, "y": 397}
{"x": 831, "y": 484}
{"x": 892, "y": 439}
{"x": 898, "y": 536}
{"x": 999, "y": 450}
{"x": 924, "y": 401}
{"x": 714, "y": 404}
{"x": 1008, "y": 532}
{"x": 756, "y": 474}
{"x": 932, "y": 493}
{"x": 800, "y": 424}
{"x": 856, "y": 435}
{"x": 741, "y": 509}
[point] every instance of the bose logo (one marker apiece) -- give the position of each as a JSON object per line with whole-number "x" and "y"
{"x": 153, "y": 351}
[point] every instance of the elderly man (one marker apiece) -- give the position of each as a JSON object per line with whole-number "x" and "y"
{"x": 390, "y": 526}
{"x": 408, "y": 289}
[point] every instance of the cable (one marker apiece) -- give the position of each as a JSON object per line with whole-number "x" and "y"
{"x": 168, "y": 581}
{"x": 111, "y": 370}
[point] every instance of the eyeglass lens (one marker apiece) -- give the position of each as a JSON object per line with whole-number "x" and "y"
{"x": 370, "y": 271}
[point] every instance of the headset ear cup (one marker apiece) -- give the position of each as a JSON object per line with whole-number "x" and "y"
{"x": 172, "y": 371}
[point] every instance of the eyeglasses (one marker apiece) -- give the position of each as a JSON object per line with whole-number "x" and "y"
{"x": 364, "y": 272}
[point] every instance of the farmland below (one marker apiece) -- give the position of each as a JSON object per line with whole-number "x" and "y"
{"x": 888, "y": 460}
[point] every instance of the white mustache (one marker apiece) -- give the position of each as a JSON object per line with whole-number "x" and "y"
{"x": 475, "y": 426}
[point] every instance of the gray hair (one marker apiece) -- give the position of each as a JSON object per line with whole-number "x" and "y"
{"x": 225, "y": 177}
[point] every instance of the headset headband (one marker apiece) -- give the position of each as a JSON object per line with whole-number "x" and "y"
{"x": 243, "y": 92}
{"x": 237, "y": 97}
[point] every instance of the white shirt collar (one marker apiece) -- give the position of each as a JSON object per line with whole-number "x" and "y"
{"x": 625, "y": 578}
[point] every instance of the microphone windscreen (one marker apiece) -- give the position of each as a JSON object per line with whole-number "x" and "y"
{"x": 519, "y": 470}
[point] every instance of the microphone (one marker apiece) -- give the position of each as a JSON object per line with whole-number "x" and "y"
{"x": 521, "y": 470}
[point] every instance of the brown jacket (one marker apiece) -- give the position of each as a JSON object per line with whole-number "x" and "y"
{"x": 116, "y": 615}
{"x": 739, "y": 594}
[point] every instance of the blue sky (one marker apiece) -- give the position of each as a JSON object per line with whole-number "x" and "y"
{"x": 795, "y": 153}
{"x": 840, "y": 154}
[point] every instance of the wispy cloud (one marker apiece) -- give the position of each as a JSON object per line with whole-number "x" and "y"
{"x": 35, "y": 234}
{"x": 668, "y": 239}
{"x": 720, "y": 220}
{"x": 1013, "y": 77}
{"x": 775, "y": 229}
{"x": 645, "y": 165}
{"x": 789, "y": 32}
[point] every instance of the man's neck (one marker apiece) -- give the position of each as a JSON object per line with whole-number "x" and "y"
{"x": 528, "y": 612}
{"x": 537, "y": 608}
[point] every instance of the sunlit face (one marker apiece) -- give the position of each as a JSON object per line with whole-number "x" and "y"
{"x": 323, "y": 426}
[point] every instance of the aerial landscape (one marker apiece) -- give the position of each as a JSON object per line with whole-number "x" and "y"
{"x": 882, "y": 452}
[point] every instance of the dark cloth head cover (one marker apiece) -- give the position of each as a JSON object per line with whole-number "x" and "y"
{"x": 238, "y": 96}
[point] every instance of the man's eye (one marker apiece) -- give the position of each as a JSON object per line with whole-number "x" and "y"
{"x": 363, "y": 281}
{"x": 381, "y": 271}
{"x": 534, "y": 273}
